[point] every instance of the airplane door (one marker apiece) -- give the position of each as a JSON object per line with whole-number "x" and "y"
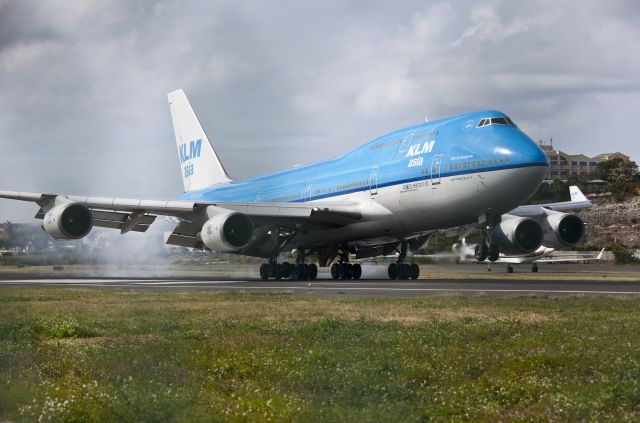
{"x": 307, "y": 191}
{"x": 436, "y": 164}
{"x": 373, "y": 181}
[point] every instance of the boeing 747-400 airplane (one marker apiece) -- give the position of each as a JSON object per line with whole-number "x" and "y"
{"x": 382, "y": 198}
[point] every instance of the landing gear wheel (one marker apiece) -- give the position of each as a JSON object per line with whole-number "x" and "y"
{"x": 300, "y": 273}
{"x": 403, "y": 271}
{"x": 481, "y": 251}
{"x": 307, "y": 270}
{"x": 534, "y": 267}
{"x": 493, "y": 253}
{"x": 335, "y": 271}
{"x": 285, "y": 270}
{"x": 345, "y": 271}
{"x": 312, "y": 273}
{"x": 392, "y": 271}
{"x": 264, "y": 271}
{"x": 414, "y": 271}
{"x": 509, "y": 268}
{"x": 356, "y": 271}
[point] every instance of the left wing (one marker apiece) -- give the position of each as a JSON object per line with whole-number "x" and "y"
{"x": 137, "y": 215}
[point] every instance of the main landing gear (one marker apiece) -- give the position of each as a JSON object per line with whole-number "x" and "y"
{"x": 401, "y": 270}
{"x": 345, "y": 270}
{"x": 300, "y": 271}
{"x": 486, "y": 250}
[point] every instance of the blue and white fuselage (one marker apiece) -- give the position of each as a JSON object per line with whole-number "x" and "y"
{"x": 443, "y": 173}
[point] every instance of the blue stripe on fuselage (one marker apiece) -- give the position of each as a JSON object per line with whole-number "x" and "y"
{"x": 462, "y": 148}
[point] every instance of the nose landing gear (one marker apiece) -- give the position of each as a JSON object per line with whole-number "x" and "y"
{"x": 486, "y": 250}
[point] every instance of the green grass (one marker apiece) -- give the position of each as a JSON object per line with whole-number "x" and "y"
{"x": 108, "y": 355}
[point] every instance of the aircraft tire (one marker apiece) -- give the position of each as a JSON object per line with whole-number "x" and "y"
{"x": 264, "y": 271}
{"x": 302, "y": 274}
{"x": 481, "y": 251}
{"x": 335, "y": 271}
{"x": 534, "y": 267}
{"x": 403, "y": 271}
{"x": 344, "y": 271}
{"x": 392, "y": 271}
{"x": 509, "y": 268}
{"x": 415, "y": 271}
{"x": 285, "y": 269}
{"x": 313, "y": 271}
{"x": 356, "y": 271}
{"x": 493, "y": 252}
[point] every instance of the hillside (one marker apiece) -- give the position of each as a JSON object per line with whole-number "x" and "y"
{"x": 609, "y": 222}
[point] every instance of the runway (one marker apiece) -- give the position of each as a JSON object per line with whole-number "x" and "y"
{"x": 438, "y": 279}
{"x": 361, "y": 288}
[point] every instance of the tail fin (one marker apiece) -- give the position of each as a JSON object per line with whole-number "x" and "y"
{"x": 576, "y": 194}
{"x": 199, "y": 162}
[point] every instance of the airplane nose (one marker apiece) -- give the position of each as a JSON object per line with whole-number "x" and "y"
{"x": 529, "y": 153}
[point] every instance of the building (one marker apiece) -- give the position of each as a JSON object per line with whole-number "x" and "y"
{"x": 562, "y": 165}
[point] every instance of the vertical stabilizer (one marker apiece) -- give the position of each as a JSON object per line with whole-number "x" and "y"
{"x": 199, "y": 163}
{"x": 576, "y": 194}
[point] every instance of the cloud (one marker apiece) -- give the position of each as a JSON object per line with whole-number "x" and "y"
{"x": 281, "y": 83}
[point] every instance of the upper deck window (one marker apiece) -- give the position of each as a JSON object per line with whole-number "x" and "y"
{"x": 501, "y": 121}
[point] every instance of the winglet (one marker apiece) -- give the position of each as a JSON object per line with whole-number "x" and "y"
{"x": 599, "y": 256}
{"x": 199, "y": 163}
{"x": 576, "y": 194}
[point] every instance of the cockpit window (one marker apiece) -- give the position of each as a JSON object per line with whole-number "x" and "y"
{"x": 501, "y": 121}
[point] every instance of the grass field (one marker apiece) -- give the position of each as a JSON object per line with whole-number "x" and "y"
{"x": 112, "y": 355}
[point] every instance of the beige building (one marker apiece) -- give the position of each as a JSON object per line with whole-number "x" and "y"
{"x": 562, "y": 165}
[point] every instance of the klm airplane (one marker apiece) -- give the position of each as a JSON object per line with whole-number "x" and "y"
{"x": 383, "y": 198}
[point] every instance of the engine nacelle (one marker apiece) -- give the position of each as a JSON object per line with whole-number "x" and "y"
{"x": 517, "y": 235}
{"x": 227, "y": 232}
{"x": 562, "y": 229}
{"x": 68, "y": 221}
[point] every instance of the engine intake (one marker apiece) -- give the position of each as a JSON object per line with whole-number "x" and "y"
{"x": 68, "y": 221}
{"x": 518, "y": 235}
{"x": 227, "y": 232}
{"x": 564, "y": 230}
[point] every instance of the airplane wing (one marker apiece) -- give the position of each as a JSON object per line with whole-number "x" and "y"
{"x": 571, "y": 259}
{"x": 578, "y": 201}
{"x": 137, "y": 215}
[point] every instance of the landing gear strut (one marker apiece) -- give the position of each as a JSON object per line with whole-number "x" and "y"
{"x": 401, "y": 270}
{"x": 345, "y": 270}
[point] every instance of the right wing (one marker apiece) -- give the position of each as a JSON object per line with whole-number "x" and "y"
{"x": 578, "y": 201}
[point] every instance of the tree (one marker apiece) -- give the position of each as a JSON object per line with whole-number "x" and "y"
{"x": 617, "y": 170}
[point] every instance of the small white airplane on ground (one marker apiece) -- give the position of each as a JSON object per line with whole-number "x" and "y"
{"x": 543, "y": 255}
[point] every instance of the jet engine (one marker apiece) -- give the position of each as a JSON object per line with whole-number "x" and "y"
{"x": 517, "y": 235}
{"x": 227, "y": 232}
{"x": 68, "y": 221}
{"x": 562, "y": 229}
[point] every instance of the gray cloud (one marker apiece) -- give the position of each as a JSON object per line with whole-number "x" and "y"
{"x": 83, "y": 84}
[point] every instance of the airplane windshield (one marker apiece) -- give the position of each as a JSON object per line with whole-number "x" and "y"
{"x": 500, "y": 121}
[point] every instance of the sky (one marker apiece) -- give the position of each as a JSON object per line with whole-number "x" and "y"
{"x": 277, "y": 83}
